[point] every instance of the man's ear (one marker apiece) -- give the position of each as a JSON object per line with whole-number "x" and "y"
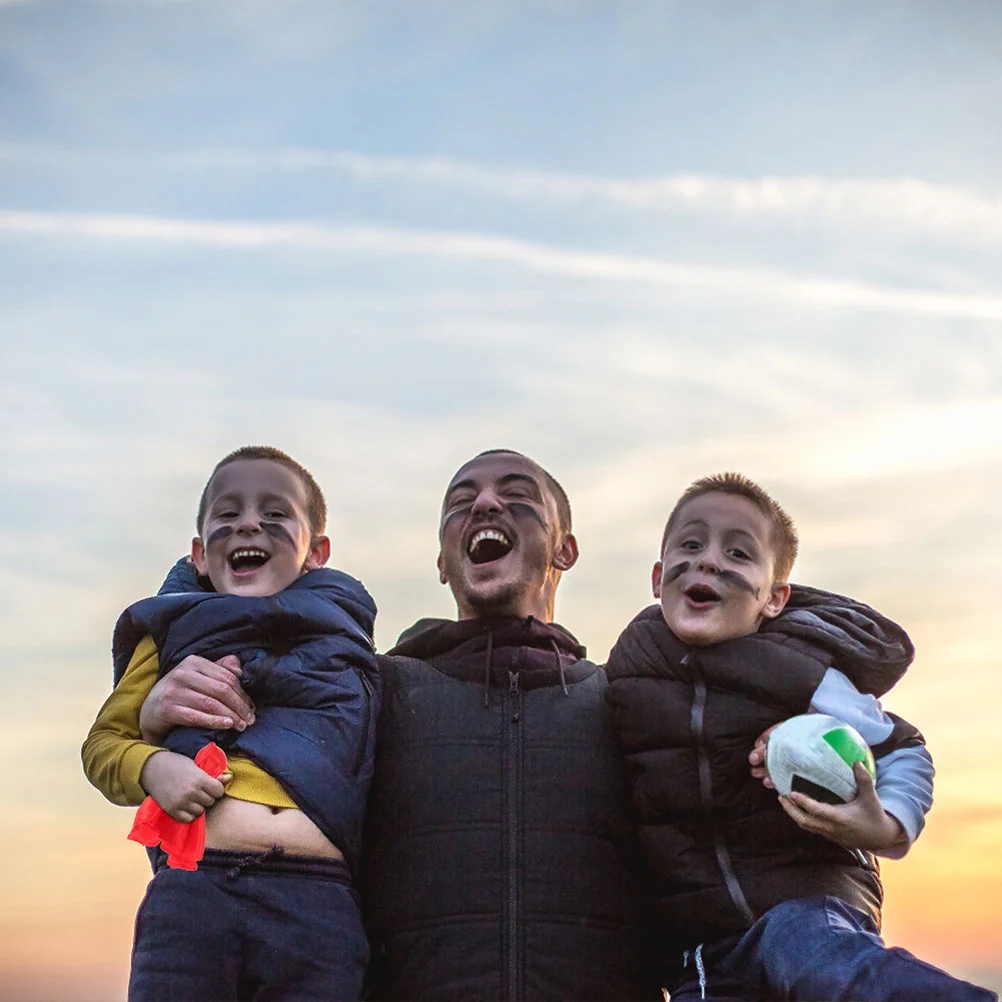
{"x": 778, "y": 597}
{"x": 566, "y": 554}
{"x": 441, "y": 569}
{"x": 320, "y": 553}
{"x": 198, "y": 556}
{"x": 656, "y": 578}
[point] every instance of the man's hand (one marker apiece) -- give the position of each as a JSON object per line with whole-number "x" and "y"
{"x": 860, "y": 824}
{"x": 179, "y": 786}
{"x": 197, "y": 693}
{"x": 756, "y": 758}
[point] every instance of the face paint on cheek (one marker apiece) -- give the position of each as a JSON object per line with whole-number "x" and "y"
{"x": 520, "y": 510}
{"x": 449, "y": 516}
{"x": 738, "y": 581}
{"x": 277, "y": 531}
{"x": 673, "y": 572}
{"x": 218, "y": 535}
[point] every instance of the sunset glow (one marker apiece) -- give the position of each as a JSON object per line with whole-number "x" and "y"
{"x": 642, "y": 243}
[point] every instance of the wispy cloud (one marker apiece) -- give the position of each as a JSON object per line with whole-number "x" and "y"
{"x": 540, "y": 258}
{"x": 900, "y": 203}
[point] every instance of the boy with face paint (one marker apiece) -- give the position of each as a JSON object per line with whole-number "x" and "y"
{"x": 763, "y": 897}
{"x": 271, "y": 907}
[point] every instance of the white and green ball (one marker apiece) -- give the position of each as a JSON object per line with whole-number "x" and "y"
{"x": 814, "y": 754}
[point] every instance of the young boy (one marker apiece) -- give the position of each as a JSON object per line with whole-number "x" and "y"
{"x": 760, "y": 907}
{"x": 271, "y": 910}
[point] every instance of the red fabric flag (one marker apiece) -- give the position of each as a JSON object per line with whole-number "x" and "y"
{"x": 183, "y": 841}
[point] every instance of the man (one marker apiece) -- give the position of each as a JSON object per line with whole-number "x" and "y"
{"x": 498, "y": 852}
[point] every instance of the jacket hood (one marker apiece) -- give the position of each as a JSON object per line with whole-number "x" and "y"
{"x": 348, "y": 592}
{"x": 324, "y": 596}
{"x": 872, "y": 650}
{"x": 429, "y": 639}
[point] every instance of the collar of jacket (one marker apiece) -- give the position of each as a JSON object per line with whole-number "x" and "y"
{"x": 869, "y": 648}
{"x": 542, "y": 653}
{"x": 313, "y": 597}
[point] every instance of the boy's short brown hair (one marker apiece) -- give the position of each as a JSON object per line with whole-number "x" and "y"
{"x": 316, "y": 506}
{"x": 784, "y": 535}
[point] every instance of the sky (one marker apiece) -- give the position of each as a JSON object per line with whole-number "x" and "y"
{"x": 640, "y": 242}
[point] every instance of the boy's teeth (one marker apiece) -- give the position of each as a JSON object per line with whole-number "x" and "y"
{"x": 240, "y": 556}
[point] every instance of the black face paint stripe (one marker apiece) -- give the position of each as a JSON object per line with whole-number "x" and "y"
{"x": 278, "y": 531}
{"x": 455, "y": 513}
{"x": 218, "y": 535}
{"x": 738, "y": 580}
{"x": 274, "y": 529}
{"x": 726, "y": 575}
{"x": 673, "y": 572}
{"x": 517, "y": 508}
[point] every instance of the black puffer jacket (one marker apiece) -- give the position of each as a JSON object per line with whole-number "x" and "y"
{"x": 719, "y": 848}
{"x": 498, "y": 852}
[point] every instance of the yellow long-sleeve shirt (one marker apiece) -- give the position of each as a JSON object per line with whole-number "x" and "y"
{"x": 114, "y": 752}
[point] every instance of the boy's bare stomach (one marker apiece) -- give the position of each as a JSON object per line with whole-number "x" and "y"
{"x": 243, "y": 826}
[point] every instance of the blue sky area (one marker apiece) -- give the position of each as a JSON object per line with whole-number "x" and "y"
{"x": 642, "y": 242}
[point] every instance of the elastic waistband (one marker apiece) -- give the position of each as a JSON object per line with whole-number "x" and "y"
{"x": 272, "y": 861}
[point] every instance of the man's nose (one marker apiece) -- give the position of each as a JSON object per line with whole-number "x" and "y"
{"x": 487, "y": 501}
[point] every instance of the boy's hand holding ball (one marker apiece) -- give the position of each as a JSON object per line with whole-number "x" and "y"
{"x": 860, "y": 823}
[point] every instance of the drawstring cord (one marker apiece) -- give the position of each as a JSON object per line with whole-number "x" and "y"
{"x": 262, "y": 857}
{"x": 560, "y": 665}
{"x": 487, "y": 666}
{"x": 489, "y": 663}
{"x": 700, "y": 969}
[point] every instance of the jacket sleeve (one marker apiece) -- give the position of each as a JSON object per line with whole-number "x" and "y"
{"x": 904, "y": 766}
{"x": 114, "y": 753}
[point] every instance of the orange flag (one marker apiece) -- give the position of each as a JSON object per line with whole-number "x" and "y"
{"x": 183, "y": 841}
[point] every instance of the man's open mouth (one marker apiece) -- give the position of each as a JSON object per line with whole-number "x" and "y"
{"x": 248, "y": 560}
{"x": 487, "y": 545}
{"x": 701, "y": 594}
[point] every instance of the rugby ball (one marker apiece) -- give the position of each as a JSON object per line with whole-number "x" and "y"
{"x": 814, "y": 754}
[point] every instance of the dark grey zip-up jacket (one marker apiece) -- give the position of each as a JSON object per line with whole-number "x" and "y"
{"x": 498, "y": 852}
{"x": 719, "y": 848}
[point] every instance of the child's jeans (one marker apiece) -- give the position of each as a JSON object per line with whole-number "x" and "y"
{"x": 814, "y": 948}
{"x": 249, "y": 927}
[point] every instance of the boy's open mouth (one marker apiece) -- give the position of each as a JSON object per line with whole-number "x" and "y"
{"x": 248, "y": 560}
{"x": 487, "y": 545}
{"x": 701, "y": 594}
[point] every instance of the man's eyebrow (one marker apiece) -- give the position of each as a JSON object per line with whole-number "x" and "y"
{"x": 460, "y": 485}
{"x": 522, "y": 478}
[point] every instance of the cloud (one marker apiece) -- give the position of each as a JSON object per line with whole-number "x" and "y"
{"x": 541, "y": 258}
{"x": 904, "y": 203}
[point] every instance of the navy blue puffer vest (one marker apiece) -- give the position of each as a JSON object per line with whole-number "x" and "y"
{"x": 309, "y": 666}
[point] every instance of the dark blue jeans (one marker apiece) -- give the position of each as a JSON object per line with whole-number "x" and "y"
{"x": 815, "y": 948}
{"x": 243, "y": 927}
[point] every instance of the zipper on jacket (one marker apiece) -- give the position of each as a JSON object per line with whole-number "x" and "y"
{"x": 369, "y": 702}
{"x": 706, "y": 790}
{"x": 513, "y": 744}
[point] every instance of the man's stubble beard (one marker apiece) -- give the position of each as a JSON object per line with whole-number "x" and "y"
{"x": 499, "y": 600}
